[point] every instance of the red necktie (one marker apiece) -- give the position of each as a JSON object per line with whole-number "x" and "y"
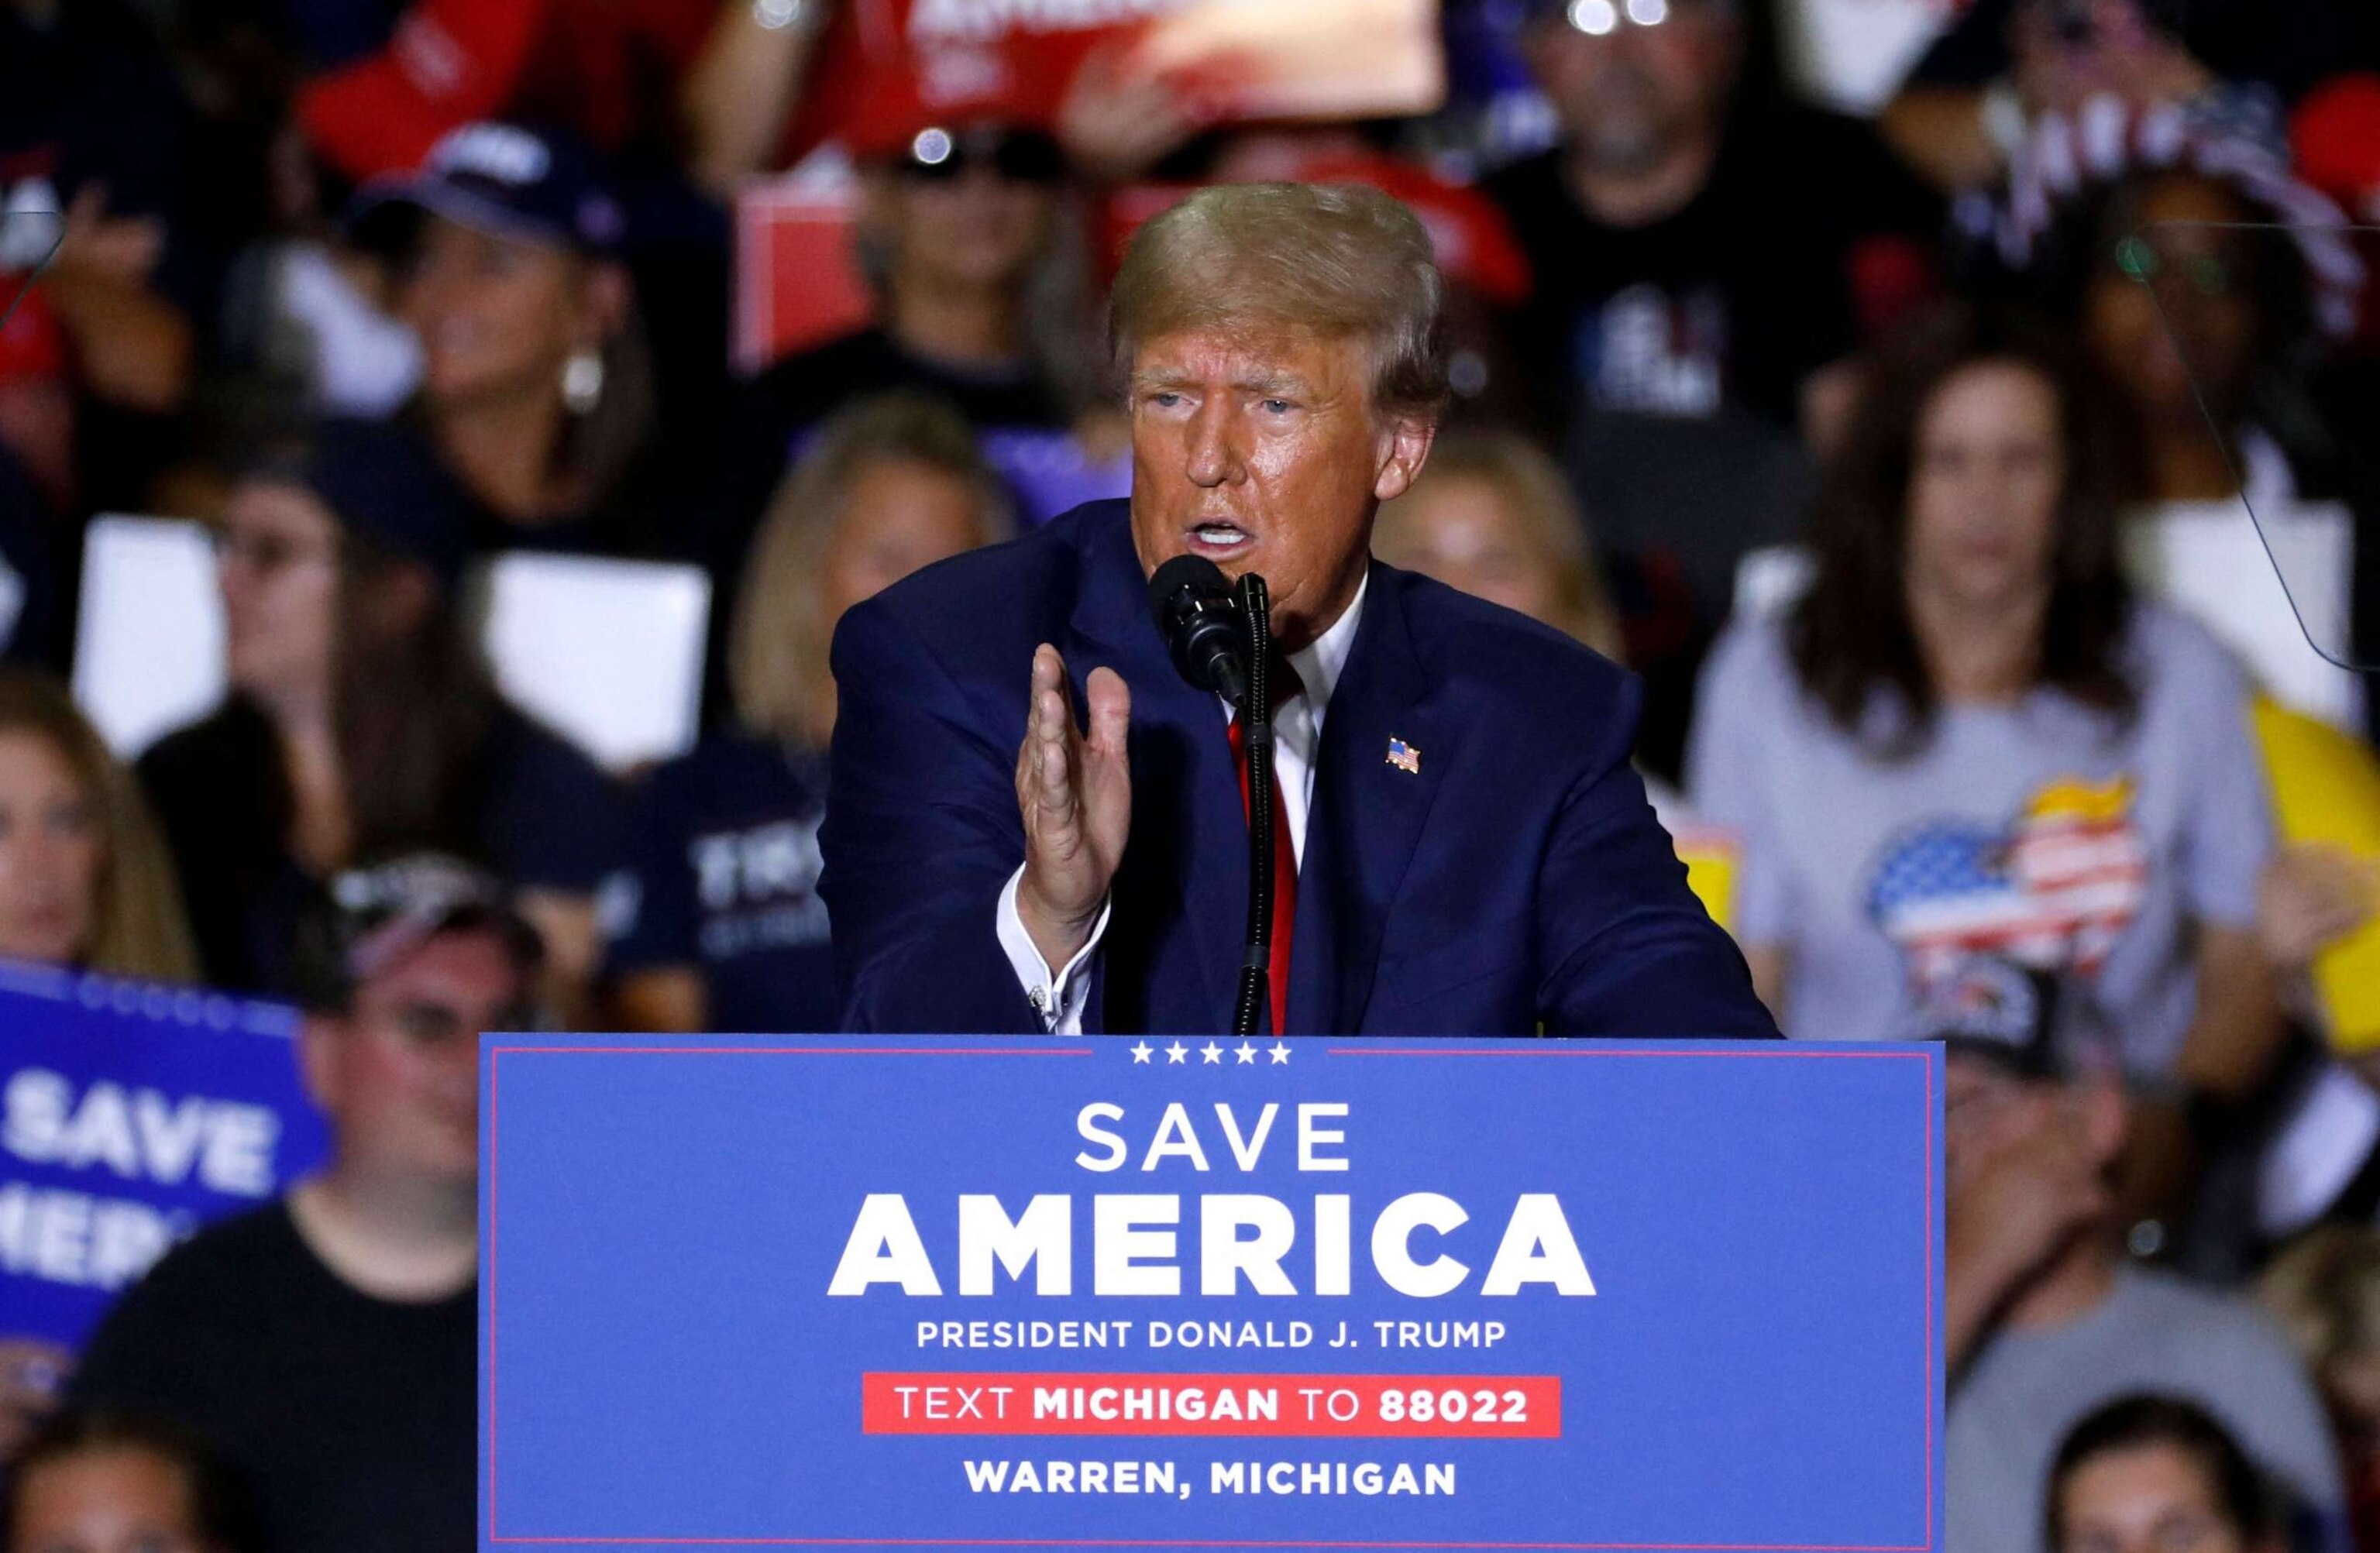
{"x": 1285, "y": 686}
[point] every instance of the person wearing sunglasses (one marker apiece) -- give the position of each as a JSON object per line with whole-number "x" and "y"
{"x": 956, "y": 222}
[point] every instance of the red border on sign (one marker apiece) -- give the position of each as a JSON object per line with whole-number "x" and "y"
{"x": 1520, "y": 1051}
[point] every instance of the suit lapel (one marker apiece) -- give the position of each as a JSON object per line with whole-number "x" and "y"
{"x": 1367, "y": 813}
{"x": 1181, "y": 893}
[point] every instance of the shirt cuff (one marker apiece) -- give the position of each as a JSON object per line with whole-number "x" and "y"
{"x": 1058, "y": 998}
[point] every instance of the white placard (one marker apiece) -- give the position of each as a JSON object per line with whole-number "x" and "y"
{"x": 608, "y": 653}
{"x": 2208, "y": 559}
{"x": 149, "y": 642}
{"x": 1851, "y": 55}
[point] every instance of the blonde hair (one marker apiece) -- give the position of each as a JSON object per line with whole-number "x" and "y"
{"x": 778, "y": 637}
{"x": 1535, "y": 493}
{"x": 1335, "y": 258}
{"x": 138, "y": 929}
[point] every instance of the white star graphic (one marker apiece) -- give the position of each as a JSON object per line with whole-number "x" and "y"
{"x": 1245, "y": 1052}
{"x": 1140, "y": 1052}
{"x": 1280, "y": 1051}
{"x": 1212, "y": 1052}
{"x": 1177, "y": 1052}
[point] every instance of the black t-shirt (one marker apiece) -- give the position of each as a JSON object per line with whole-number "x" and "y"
{"x": 1729, "y": 301}
{"x": 2287, "y": 44}
{"x": 719, "y": 873}
{"x": 643, "y": 517}
{"x": 539, "y": 814}
{"x": 354, "y": 1417}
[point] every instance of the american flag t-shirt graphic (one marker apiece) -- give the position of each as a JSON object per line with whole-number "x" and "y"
{"x": 2052, "y": 891}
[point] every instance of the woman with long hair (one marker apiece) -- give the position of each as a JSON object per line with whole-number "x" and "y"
{"x": 713, "y": 913}
{"x": 85, "y": 879}
{"x": 360, "y": 721}
{"x": 1978, "y": 785}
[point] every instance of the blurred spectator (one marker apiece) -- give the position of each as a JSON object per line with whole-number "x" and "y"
{"x": 93, "y": 125}
{"x": 325, "y": 1343}
{"x": 85, "y": 879}
{"x": 609, "y": 72}
{"x": 743, "y": 86}
{"x": 536, "y": 392}
{"x": 2319, "y": 1147}
{"x": 1986, "y": 84}
{"x": 957, "y": 226}
{"x": 2042, "y": 1319}
{"x": 2151, "y": 1474}
{"x": 2215, "y": 290}
{"x": 777, "y": 77}
{"x": 2325, "y": 1291}
{"x": 2022, "y": 769}
{"x": 1491, "y": 516}
{"x": 713, "y": 915}
{"x": 123, "y": 1483}
{"x": 37, "y": 395}
{"x": 2313, "y": 894}
{"x": 360, "y": 717}
{"x": 1701, "y": 254}
{"x": 2196, "y": 308}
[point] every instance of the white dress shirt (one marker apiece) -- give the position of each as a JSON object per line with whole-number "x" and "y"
{"x": 1298, "y": 739}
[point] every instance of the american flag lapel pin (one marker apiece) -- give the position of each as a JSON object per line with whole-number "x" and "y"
{"x": 1404, "y": 756}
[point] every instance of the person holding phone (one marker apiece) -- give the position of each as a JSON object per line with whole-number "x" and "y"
{"x": 2006, "y": 65}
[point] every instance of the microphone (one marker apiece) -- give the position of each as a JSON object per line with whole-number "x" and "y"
{"x": 1201, "y": 626}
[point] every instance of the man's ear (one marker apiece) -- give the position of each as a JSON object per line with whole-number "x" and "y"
{"x": 1404, "y": 447}
{"x": 320, "y": 1038}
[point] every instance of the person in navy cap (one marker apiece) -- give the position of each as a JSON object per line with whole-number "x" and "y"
{"x": 359, "y": 718}
{"x": 536, "y": 392}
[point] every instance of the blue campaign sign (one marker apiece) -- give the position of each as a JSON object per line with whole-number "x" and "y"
{"x": 130, "y": 1114}
{"x": 778, "y": 1290}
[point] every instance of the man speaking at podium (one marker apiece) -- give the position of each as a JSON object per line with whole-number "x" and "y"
{"x": 1460, "y": 845}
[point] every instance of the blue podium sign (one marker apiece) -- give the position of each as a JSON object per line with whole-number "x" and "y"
{"x": 1113, "y": 1293}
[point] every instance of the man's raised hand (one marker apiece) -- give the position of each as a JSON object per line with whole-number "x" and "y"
{"x": 1074, "y": 791}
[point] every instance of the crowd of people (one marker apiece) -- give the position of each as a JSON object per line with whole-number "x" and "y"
{"x": 378, "y": 292}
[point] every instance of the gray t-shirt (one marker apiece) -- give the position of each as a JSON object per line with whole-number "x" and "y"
{"x": 2042, "y": 836}
{"x": 2025, "y": 1389}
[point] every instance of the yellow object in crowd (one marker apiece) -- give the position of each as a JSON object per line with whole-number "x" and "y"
{"x": 2325, "y": 786}
{"x": 1709, "y": 853}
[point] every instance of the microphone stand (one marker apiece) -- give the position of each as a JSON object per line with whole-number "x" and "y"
{"x": 1256, "y": 731}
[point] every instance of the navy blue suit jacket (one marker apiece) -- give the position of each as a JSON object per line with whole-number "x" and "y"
{"x": 1518, "y": 881}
